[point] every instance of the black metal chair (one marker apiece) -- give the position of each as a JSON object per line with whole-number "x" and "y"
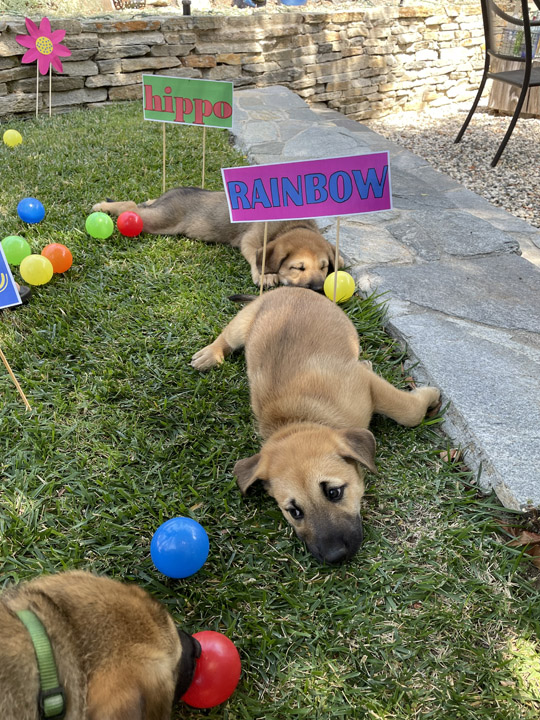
{"x": 508, "y": 38}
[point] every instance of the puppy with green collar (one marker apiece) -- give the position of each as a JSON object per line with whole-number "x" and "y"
{"x": 83, "y": 647}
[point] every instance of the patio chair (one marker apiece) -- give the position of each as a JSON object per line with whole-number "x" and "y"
{"x": 508, "y": 38}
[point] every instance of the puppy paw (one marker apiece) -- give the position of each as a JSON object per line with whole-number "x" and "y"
{"x": 206, "y": 358}
{"x": 99, "y": 207}
{"x": 432, "y": 399}
{"x": 270, "y": 280}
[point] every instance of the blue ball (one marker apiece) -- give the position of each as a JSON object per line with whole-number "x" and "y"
{"x": 179, "y": 547}
{"x": 31, "y": 210}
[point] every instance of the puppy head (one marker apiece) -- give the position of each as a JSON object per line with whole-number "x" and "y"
{"x": 135, "y": 659}
{"x": 299, "y": 257}
{"x": 147, "y": 679}
{"x": 316, "y": 476}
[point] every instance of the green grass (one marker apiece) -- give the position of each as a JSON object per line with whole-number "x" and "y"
{"x": 435, "y": 617}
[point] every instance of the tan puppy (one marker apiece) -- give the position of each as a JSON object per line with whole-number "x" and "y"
{"x": 313, "y": 401}
{"x": 118, "y": 653}
{"x": 296, "y": 253}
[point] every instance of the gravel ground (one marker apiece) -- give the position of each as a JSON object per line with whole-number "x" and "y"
{"x": 513, "y": 185}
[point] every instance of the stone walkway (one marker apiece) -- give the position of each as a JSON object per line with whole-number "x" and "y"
{"x": 460, "y": 295}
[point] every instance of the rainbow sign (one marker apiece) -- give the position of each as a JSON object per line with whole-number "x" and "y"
{"x": 312, "y": 188}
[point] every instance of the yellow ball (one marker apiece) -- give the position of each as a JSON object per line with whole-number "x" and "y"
{"x": 345, "y": 286}
{"x": 36, "y": 269}
{"x": 12, "y": 138}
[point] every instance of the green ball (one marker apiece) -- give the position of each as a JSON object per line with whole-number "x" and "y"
{"x": 15, "y": 249}
{"x": 99, "y": 225}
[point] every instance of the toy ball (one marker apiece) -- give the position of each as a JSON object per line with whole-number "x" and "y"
{"x": 179, "y": 547}
{"x": 217, "y": 671}
{"x": 31, "y": 210}
{"x": 59, "y": 255}
{"x": 36, "y": 270}
{"x": 15, "y": 249}
{"x": 12, "y": 138}
{"x": 345, "y": 286}
{"x": 99, "y": 225}
{"x": 129, "y": 224}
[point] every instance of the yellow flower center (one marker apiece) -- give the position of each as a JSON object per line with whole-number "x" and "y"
{"x": 44, "y": 45}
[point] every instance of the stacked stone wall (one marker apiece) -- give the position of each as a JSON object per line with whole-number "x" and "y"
{"x": 365, "y": 63}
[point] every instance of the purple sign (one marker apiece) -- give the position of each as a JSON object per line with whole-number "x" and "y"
{"x": 309, "y": 189}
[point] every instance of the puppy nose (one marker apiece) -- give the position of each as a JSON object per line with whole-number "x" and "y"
{"x": 335, "y": 554}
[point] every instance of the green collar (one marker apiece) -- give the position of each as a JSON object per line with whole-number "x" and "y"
{"x": 52, "y": 703}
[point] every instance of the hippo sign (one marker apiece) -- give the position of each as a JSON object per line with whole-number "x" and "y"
{"x": 188, "y": 101}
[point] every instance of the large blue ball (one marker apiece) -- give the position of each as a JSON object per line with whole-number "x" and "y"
{"x": 179, "y": 547}
{"x": 31, "y": 210}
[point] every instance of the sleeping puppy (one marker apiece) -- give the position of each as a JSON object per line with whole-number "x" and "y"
{"x": 313, "y": 401}
{"x": 296, "y": 252}
{"x": 118, "y": 653}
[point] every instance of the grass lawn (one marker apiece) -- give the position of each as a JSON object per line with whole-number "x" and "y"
{"x": 435, "y": 617}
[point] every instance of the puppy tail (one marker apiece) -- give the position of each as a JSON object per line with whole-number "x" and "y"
{"x": 242, "y": 298}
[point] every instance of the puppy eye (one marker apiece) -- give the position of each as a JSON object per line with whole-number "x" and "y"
{"x": 334, "y": 493}
{"x": 300, "y": 268}
{"x": 295, "y": 512}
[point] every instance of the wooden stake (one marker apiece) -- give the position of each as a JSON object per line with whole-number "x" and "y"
{"x": 16, "y": 382}
{"x": 203, "y": 153}
{"x": 263, "y": 257}
{"x": 336, "y": 260}
{"x": 37, "y": 88}
{"x": 50, "y": 90}
{"x": 163, "y": 183}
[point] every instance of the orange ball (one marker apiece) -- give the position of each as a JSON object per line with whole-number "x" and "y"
{"x": 59, "y": 255}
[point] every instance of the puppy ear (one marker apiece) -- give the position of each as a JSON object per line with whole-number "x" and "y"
{"x": 332, "y": 258}
{"x": 275, "y": 255}
{"x": 246, "y": 472}
{"x": 360, "y": 447}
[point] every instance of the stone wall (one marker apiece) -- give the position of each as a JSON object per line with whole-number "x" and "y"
{"x": 365, "y": 63}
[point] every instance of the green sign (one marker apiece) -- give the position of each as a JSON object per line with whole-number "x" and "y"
{"x": 188, "y": 101}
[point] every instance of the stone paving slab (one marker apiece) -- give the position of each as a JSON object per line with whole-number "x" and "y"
{"x": 495, "y": 291}
{"x": 460, "y": 295}
{"x": 491, "y": 381}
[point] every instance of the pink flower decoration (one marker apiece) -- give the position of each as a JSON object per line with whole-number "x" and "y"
{"x": 44, "y": 45}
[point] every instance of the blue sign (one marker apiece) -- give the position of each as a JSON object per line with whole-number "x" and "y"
{"x": 9, "y": 294}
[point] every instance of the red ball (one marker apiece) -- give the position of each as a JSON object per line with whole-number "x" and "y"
{"x": 217, "y": 671}
{"x": 129, "y": 223}
{"x": 59, "y": 255}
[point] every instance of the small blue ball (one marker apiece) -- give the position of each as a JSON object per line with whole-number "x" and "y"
{"x": 31, "y": 210}
{"x": 179, "y": 547}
